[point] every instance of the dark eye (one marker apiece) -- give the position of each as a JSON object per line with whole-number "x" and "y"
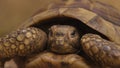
{"x": 73, "y": 33}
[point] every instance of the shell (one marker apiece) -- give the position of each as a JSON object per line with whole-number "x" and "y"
{"x": 101, "y": 17}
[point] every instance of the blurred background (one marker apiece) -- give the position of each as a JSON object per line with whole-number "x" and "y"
{"x": 14, "y": 12}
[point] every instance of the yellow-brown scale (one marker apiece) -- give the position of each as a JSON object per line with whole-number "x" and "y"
{"x": 22, "y": 43}
{"x": 100, "y": 50}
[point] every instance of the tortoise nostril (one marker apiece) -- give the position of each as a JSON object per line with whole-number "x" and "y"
{"x": 59, "y": 41}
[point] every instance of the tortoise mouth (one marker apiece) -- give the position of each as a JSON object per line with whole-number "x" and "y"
{"x": 62, "y": 20}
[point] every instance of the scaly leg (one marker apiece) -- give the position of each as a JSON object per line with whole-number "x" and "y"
{"x": 22, "y": 42}
{"x": 100, "y": 50}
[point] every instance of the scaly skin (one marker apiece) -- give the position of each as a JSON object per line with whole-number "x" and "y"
{"x": 63, "y": 39}
{"x": 101, "y": 51}
{"x": 63, "y": 44}
{"x": 21, "y": 43}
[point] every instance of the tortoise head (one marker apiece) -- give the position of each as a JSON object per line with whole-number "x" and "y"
{"x": 63, "y": 39}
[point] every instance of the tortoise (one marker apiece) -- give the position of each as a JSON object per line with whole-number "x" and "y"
{"x": 81, "y": 34}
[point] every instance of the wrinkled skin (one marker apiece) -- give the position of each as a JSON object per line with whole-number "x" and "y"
{"x": 63, "y": 44}
{"x": 63, "y": 49}
{"x": 63, "y": 39}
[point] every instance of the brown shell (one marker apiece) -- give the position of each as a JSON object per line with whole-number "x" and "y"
{"x": 101, "y": 17}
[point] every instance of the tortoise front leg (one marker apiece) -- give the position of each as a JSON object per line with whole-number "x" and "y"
{"x": 100, "y": 50}
{"x": 21, "y": 43}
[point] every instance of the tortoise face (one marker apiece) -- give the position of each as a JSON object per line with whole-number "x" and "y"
{"x": 63, "y": 39}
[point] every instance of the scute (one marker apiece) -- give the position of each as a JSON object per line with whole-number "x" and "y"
{"x": 93, "y": 14}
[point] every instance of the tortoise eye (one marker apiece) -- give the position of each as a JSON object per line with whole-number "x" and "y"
{"x": 73, "y": 33}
